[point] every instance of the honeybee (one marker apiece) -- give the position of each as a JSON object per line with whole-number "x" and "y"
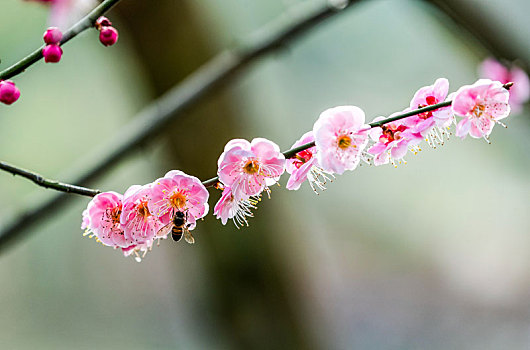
{"x": 179, "y": 227}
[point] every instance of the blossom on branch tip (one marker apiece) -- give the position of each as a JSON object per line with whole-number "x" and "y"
{"x": 304, "y": 166}
{"x": 519, "y": 92}
{"x": 481, "y": 105}
{"x": 139, "y": 225}
{"x": 9, "y": 93}
{"x": 102, "y": 218}
{"x": 392, "y": 140}
{"x": 340, "y": 137}
{"x": 177, "y": 191}
{"x": 250, "y": 167}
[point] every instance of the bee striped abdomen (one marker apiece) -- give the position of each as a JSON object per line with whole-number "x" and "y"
{"x": 176, "y": 233}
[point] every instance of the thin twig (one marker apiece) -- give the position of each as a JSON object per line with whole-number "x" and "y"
{"x": 293, "y": 151}
{"x": 47, "y": 183}
{"x": 63, "y": 187}
{"x": 85, "y": 23}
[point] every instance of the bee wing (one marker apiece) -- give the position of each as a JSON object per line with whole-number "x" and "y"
{"x": 187, "y": 236}
{"x": 163, "y": 232}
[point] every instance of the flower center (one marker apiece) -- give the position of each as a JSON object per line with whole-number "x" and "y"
{"x": 251, "y": 167}
{"x": 391, "y": 133}
{"x": 143, "y": 210}
{"x": 302, "y": 157}
{"x": 344, "y": 141}
{"x": 431, "y": 100}
{"x": 178, "y": 200}
{"x": 115, "y": 214}
{"x": 479, "y": 110}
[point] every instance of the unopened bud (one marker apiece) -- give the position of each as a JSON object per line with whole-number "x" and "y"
{"x": 108, "y": 36}
{"x": 53, "y": 36}
{"x": 9, "y": 93}
{"x": 52, "y": 53}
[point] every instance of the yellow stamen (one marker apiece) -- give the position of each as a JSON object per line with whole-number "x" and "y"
{"x": 251, "y": 167}
{"x": 344, "y": 142}
{"x": 178, "y": 200}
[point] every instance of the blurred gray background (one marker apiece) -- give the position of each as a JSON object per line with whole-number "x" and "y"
{"x": 431, "y": 255}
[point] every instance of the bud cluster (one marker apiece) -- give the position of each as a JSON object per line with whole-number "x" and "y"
{"x": 108, "y": 35}
{"x": 52, "y": 52}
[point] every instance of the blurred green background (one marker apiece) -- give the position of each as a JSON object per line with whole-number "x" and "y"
{"x": 431, "y": 255}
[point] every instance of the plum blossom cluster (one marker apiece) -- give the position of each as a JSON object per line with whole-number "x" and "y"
{"x": 340, "y": 140}
{"x": 144, "y": 214}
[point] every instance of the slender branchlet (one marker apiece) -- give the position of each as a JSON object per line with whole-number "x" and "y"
{"x": 47, "y": 183}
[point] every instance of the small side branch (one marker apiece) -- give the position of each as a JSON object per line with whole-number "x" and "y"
{"x": 82, "y": 25}
{"x": 47, "y": 183}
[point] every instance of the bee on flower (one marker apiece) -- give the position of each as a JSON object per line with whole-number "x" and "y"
{"x": 178, "y": 196}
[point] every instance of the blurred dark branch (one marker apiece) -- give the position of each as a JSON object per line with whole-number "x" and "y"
{"x": 47, "y": 183}
{"x": 467, "y": 16}
{"x": 152, "y": 119}
{"x": 85, "y": 23}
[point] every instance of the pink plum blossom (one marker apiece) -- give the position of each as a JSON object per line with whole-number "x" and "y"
{"x": 392, "y": 140}
{"x": 519, "y": 92}
{"x": 481, "y": 105}
{"x": 248, "y": 168}
{"x": 340, "y": 137}
{"x": 139, "y": 225}
{"x": 304, "y": 166}
{"x": 102, "y": 218}
{"x": 177, "y": 191}
{"x": 232, "y": 207}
